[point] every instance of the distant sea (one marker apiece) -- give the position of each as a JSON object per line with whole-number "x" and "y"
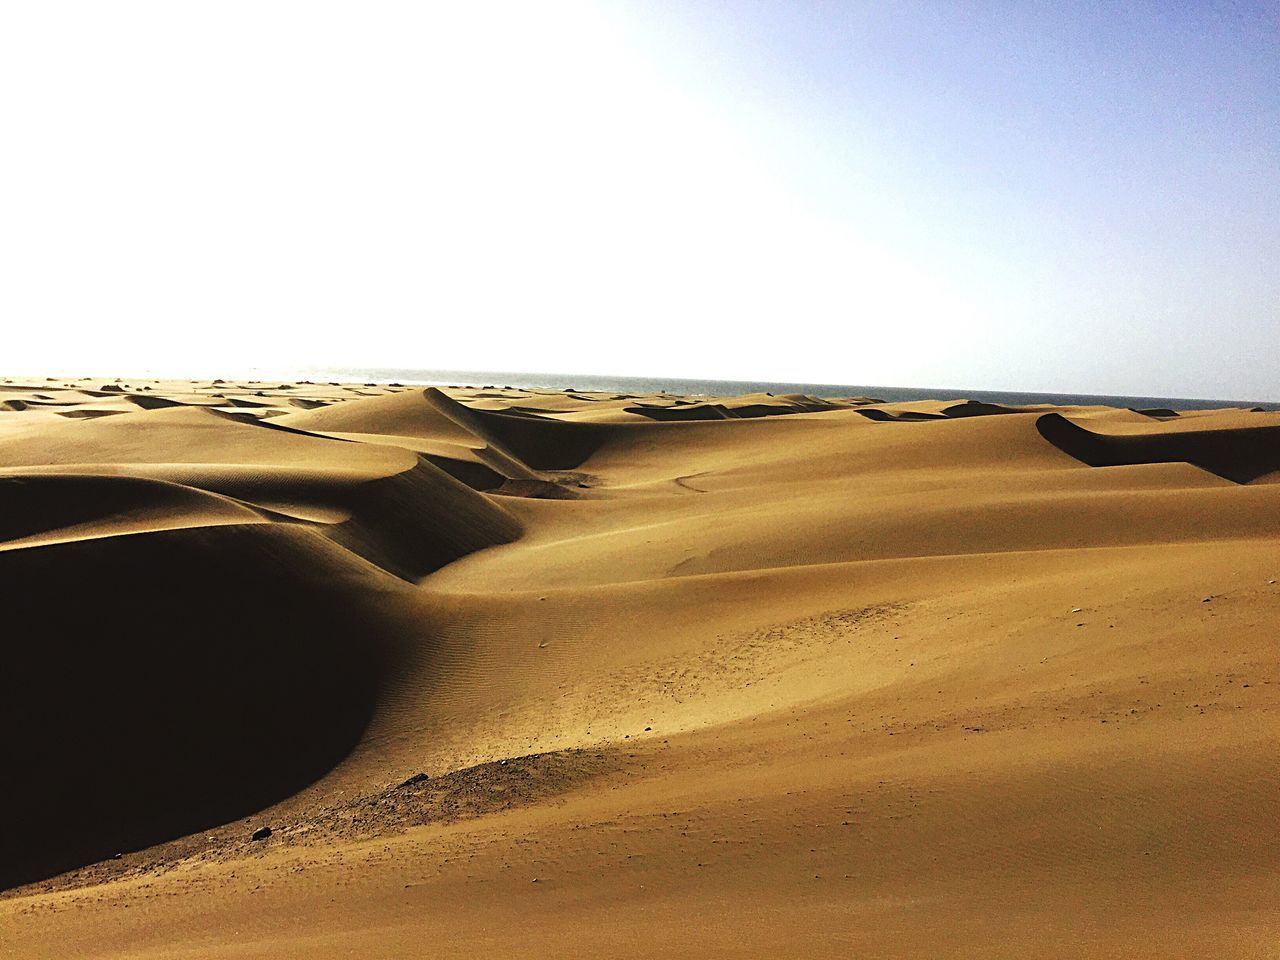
{"x": 610, "y": 384}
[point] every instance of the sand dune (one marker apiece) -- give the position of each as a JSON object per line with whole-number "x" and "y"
{"x": 1238, "y": 446}
{"x": 48, "y": 508}
{"x": 560, "y": 673}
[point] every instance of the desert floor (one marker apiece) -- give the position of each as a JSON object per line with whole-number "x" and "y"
{"x": 512, "y": 673}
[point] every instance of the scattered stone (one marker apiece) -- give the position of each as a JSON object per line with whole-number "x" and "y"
{"x": 416, "y": 778}
{"x": 261, "y": 833}
{"x": 1076, "y": 610}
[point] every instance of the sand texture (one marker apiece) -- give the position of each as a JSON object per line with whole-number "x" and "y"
{"x": 513, "y": 673}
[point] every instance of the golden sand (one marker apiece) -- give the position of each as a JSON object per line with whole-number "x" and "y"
{"x": 514, "y": 673}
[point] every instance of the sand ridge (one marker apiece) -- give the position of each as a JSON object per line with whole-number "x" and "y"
{"x": 624, "y": 675}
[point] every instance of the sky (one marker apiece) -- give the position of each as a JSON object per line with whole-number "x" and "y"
{"x": 1079, "y": 197}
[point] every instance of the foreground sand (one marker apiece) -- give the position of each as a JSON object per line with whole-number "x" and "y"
{"x": 759, "y": 676}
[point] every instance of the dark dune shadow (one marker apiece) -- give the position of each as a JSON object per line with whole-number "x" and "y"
{"x": 684, "y": 410}
{"x": 1238, "y": 454}
{"x": 883, "y": 416}
{"x": 159, "y": 684}
{"x": 154, "y": 403}
{"x": 701, "y": 411}
{"x": 753, "y": 411}
{"x": 89, "y": 414}
{"x": 35, "y": 504}
{"x": 976, "y": 408}
{"x": 474, "y": 475}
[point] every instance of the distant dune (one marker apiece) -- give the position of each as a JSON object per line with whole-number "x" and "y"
{"x": 325, "y": 670}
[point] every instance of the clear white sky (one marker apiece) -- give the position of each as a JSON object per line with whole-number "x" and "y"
{"x": 1053, "y": 196}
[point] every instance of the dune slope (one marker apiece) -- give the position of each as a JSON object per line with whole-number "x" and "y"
{"x": 617, "y": 676}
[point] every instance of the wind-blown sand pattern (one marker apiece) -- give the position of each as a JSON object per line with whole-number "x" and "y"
{"x": 516, "y": 673}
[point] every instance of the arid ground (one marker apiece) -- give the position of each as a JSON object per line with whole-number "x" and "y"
{"x": 531, "y": 674}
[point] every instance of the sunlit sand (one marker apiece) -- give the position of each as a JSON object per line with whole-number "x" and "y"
{"x": 531, "y": 673}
